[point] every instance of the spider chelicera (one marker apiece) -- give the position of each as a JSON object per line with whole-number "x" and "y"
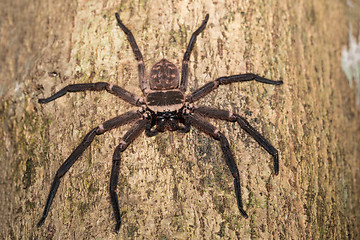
{"x": 164, "y": 107}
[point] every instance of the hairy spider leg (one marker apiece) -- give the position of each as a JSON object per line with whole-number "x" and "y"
{"x": 88, "y": 139}
{"x": 245, "y": 125}
{"x": 114, "y": 177}
{"x": 128, "y": 138}
{"x": 99, "y": 86}
{"x": 185, "y": 62}
{"x": 141, "y": 67}
{"x": 198, "y": 122}
{"x": 210, "y": 86}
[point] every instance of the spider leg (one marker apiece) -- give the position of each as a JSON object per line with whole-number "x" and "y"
{"x": 198, "y": 122}
{"x": 129, "y": 137}
{"x": 184, "y": 68}
{"x": 210, "y": 86}
{"x": 141, "y": 67}
{"x": 245, "y": 125}
{"x": 113, "y": 89}
{"x": 88, "y": 139}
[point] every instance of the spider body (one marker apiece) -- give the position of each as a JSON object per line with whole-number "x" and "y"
{"x": 164, "y": 101}
{"x": 164, "y": 107}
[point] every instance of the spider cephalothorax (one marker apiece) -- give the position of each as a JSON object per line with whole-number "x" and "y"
{"x": 164, "y": 107}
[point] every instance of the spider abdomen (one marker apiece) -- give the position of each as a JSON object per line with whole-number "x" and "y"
{"x": 164, "y": 75}
{"x": 165, "y": 101}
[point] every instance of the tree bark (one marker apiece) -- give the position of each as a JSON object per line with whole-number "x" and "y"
{"x": 177, "y": 186}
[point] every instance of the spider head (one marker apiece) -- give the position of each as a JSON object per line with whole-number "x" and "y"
{"x": 164, "y": 75}
{"x": 167, "y": 121}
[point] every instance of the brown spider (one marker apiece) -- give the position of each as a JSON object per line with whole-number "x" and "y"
{"x": 163, "y": 107}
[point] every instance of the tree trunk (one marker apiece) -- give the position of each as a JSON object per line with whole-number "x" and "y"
{"x": 177, "y": 186}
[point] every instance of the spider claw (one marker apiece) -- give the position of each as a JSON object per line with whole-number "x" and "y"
{"x": 41, "y": 222}
{"x": 276, "y": 164}
{"x": 242, "y": 211}
{"x": 117, "y": 228}
{"x": 42, "y": 100}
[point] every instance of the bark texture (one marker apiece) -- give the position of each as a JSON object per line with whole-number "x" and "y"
{"x": 176, "y": 186}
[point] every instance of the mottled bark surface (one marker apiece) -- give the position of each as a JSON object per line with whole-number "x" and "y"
{"x": 177, "y": 186}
